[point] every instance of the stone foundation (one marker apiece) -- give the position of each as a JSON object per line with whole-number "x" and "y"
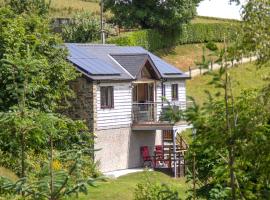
{"x": 120, "y": 148}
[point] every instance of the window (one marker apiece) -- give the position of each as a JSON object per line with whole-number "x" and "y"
{"x": 164, "y": 90}
{"x": 174, "y": 92}
{"x": 106, "y": 96}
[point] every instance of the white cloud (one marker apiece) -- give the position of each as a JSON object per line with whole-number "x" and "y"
{"x": 220, "y": 8}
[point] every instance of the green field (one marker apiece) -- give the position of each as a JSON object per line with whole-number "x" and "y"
{"x": 246, "y": 76}
{"x": 65, "y": 8}
{"x": 183, "y": 56}
{"x": 123, "y": 187}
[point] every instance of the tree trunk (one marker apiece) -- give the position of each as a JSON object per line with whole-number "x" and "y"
{"x": 194, "y": 177}
{"x": 230, "y": 145}
{"x": 51, "y": 169}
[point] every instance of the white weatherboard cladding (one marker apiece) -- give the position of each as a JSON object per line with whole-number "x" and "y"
{"x": 181, "y": 92}
{"x": 159, "y": 98}
{"x": 120, "y": 115}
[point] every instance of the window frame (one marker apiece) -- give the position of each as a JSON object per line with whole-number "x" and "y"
{"x": 175, "y": 87}
{"x": 163, "y": 90}
{"x": 106, "y": 103}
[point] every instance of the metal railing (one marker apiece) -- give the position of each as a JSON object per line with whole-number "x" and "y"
{"x": 154, "y": 111}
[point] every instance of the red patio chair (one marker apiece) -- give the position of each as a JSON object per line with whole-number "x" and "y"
{"x": 146, "y": 156}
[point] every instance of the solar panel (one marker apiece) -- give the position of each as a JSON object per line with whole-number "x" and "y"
{"x": 95, "y": 66}
{"x": 164, "y": 67}
{"x": 76, "y": 52}
{"x": 95, "y": 60}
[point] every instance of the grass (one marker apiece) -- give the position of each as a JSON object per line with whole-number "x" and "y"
{"x": 208, "y": 20}
{"x": 7, "y": 173}
{"x": 123, "y": 187}
{"x": 246, "y": 76}
{"x": 183, "y": 56}
{"x": 65, "y": 8}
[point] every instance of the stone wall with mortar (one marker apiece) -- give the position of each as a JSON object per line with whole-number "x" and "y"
{"x": 83, "y": 105}
{"x": 120, "y": 148}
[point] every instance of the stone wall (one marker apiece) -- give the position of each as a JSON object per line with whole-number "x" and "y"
{"x": 82, "y": 106}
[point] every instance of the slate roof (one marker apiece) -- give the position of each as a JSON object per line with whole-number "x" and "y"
{"x": 111, "y": 62}
{"x": 131, "y": 62}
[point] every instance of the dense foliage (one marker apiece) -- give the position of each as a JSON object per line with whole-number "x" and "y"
{"x": 256, "y": 28}
{"x": 162, "y": 15}
{"x": 191, "y": 33}
{"x": 84, "y": 27}
{"x": 47, "y": 68}
{"x": 51, "y": 153}
{"x": 40, "y": 7}
{"x": 32, "y": 124}
{"x": 228, "y": 154}
{"x": 62, "y": 172}
{"x": 149, "y": 190}
{"x": 251, "y": 147}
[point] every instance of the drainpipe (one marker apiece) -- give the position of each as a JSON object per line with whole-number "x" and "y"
{"x": 174, "y": 151}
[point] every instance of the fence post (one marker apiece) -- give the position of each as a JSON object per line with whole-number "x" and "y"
{"x": 189, "y": 68}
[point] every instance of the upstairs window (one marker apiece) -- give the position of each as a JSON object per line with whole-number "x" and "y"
{"x": 106, "y": 96}
{"x": 164, "y": 90}
{"x": 174, "y": 92}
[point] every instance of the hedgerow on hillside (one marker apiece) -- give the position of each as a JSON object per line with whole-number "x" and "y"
{"x": 190, "y": 33}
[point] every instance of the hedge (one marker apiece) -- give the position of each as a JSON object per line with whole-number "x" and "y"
{"x": 191, "y": 33}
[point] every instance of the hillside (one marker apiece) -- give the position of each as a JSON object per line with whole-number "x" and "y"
{"x": 184, "y": 56}
{"x": 64, "y": 8}
{"x": 246, "y": 76}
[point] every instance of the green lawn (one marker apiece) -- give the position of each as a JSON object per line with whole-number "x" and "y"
{"x": 184, "y": 56}
{"x": 246, "y": 76}
{"x": 123, "y": 187}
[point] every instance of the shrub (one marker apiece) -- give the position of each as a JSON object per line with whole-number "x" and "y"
{"x": 147, "y": 190}
{"x": 211, "y": 46}
{"x": 190, "y": 33}
{"x": 84, "y": 27}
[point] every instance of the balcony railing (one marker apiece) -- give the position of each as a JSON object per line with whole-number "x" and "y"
{"x": 152, "y": 112}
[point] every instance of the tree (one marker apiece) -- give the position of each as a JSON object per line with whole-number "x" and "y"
{"x": 40, "y": 7}
{"x": 227, "y": 130}
{"x": 163, "y": 15}
{"x": 59, "y": 176}
{"x": 256, "y": 28}
{"x": 47, "y": 82}
{"x": 83, "y": 27}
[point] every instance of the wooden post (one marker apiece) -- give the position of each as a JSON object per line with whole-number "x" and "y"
{"x": 102, "y": 22}
{"x": 189, "y": 71}
{"x": 174, "y": 152}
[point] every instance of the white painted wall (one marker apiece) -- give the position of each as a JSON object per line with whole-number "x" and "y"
{"x": 181, "y": 92}
{"x": 120, "y": 115}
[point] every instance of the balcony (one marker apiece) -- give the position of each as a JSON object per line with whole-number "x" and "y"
{"x": 151, "y": 115}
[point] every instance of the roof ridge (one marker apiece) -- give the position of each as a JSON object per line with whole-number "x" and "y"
{"x": 128, "y": 54}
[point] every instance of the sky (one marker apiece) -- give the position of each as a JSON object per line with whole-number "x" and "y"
{"x": 219, "y": 8}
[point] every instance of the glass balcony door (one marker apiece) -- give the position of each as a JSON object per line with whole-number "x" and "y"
{"x": 143, "y": 102}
